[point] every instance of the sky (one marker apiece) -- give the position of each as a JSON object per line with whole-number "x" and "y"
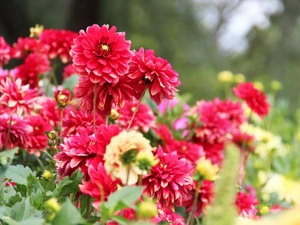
{"x": 249, "y": 13}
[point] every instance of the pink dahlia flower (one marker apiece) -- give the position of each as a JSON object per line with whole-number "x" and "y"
{"x": 100, "y": 185}
{"x": 255, "y": 99}
{"x": 169, "y": 181}
{"x": 170, "y": 216}
{"x": 246, "y": 199}
{"x": 4, "y": 52}
{"x": 107, "y": 95}
{"x": 75, "y": 154}
{"x": 205, "y": 197}
{"x": 144, "y": 118}
{"x": 24, "y": 46}
{"x": 49, "y": 111}
{"x": 75, "y": 119}
{"x": 19, "y": 134}
{"x": 81, "y": 149}
{"x": 101, "y": 53}
{"x": 17, "y": 98}
{"x": 69, "y": 70}
{"x": 57, "y": 43}
{"x": 38, "y": 138}
{"x": 34, "y": 65}
{"x": 156, "y": 72}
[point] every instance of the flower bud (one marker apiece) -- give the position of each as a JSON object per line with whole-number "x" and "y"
{"x": 206, "y": 169}
{"x": 51, "y": 135}
{"x": 114, "y": 114}
{"x": 50, "y": 143}
{"x": 63, "y": 98}
{"x": 52, "y": 205}
{"x": 239, "y": 78}
{"x": 276, "y": 85}
{"x": 47, "y": 174}
{"x": 225, "y": 77}
{"x": 146, "y": 210}
{"x": 264, "y": 210}
{"x": 145, "y": 160}
{"x": 259, "y": 85}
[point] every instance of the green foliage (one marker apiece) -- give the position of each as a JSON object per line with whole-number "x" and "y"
{"x": 70, "y": 82}
{"x": 223, "y": 211}
{"x": 68, "y": 215}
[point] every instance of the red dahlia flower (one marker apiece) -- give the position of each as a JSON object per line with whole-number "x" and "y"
{"x": 205, "y": 197}
{"x": 107, "y": 95}
{"x": 34, "y": 65}
{"x": 246, "y": 199}
{"x": 75, "y": 119}
{"x": 83, "y": 148}
{"x": 74, "y": 154}
{"x": 17, "y": 98}
{"x": 101, "y": 54}
{"x": 157, "y": 73}
{"x": 171, "y": 217}
{"x": 38, "y": 138}
{"x": 49, "y": 111}
{"x": 144, "y": 118}
{"x": 57, "y": 43}
{"x": 4, "y": 52}
{"x": 19, "y": 131}
{"x": 255, "y": 99}
{"x": 169, "y": 181}
{"x": 68, "y": 71}
{"x": 24, "y": 46}
{"x": 101, "y": 185}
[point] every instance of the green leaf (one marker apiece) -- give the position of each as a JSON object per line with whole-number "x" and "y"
{"x": 32, "y": 221}
{"x": 71, "y": 81}
{"x": 120, "y": 220}
{"x": 7, "y": 156}
{"x": 124, "y": 197}
{"x": 19, "y": 174}
{"x": 8, "y": 220}
{"x": 68, "y": 215}
{"x": 68, "y": 185}
{"x": 21, "y": 210}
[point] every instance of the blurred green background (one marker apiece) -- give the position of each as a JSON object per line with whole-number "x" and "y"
{"x": 258, "y": 38}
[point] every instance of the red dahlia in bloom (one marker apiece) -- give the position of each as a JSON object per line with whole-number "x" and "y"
{"x": 24, "y": 46}
{"x": 169, "y": 181}
{"x": 75, "y": 119}
{"x": 49, "y": 112}
{"x": 83, "y": 148}
{"x": 246, "y": 199}
{"x": 107, "y": 95}
{"x": 17, "y": 98}
{"x": 205, "y": 197}
{"x": 4, "y": 52}
{"x": 34, "y": 65}
{"x": 38, "y": 138}
{"x": 101, "y": 53}
{"x": 19, "y": 131}
{"x": 101, "y": 185}
{"x": 68, "y": 71}
{"x": 57, "y": 43}
{"x": 144, "y": 118}
{"x": 255, "y": 99}
{"x": 156, "y": 72}
{"x": 171, "y": 217}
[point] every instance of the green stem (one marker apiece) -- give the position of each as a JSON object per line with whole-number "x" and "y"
{"x": 88, "y": 207}
{"x": 191, "y": 218}
{"x": 136, "y": 109}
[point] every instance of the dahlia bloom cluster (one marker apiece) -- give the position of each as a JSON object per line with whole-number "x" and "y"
{"x": 111, "y": 74}
{"x": 102, "y": 128}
